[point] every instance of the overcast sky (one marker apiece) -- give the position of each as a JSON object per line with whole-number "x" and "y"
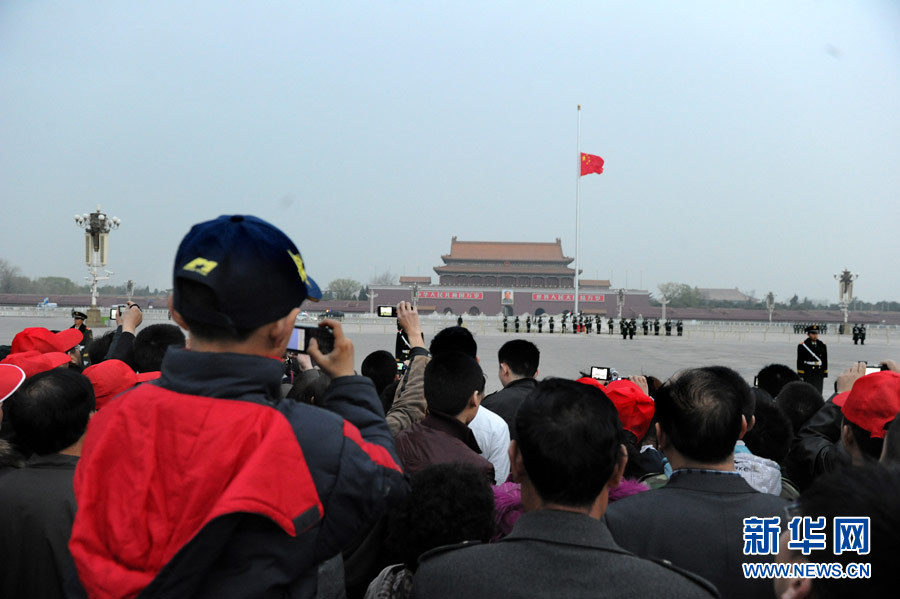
{"x": 747, "y": 144}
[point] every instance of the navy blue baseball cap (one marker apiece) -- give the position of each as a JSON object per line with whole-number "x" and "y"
{"x": 254, "y": 271}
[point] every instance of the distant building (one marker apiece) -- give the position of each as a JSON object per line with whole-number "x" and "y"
{"x": 493, "y": 277}
{"x": 724, "y": 295}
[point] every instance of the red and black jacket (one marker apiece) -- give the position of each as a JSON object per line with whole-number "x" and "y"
{"x": 203, "y": 485}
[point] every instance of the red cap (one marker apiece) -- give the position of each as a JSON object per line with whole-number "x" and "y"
{"x": 586, "y": 380}
{"x": 873, "y": 402}
{"x": 840, "y": 399}
{"x": 44, "y": 341}
{"x": 34, "y": 362}
{"x": 11, "y": 376}
{"x": 635, "y": 407}
{"x": 112, "y": 377}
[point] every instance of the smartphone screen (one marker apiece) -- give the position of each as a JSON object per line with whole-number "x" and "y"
{"x": 873, "y": 369}
{"x": 601, "y": 374}
{"x": 387, "y": 311}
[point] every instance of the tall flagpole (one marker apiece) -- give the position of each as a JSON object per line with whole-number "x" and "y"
{"x": 577, "y": 208}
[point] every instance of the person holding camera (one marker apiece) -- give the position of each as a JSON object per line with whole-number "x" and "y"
{"x": 207, "y": 483}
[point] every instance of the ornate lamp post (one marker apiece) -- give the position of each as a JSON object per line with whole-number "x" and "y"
{"x": 845, "y": 293}
{"x": 96, "y": 227}
{"x": 770, "y": 304}
{"x": 620, "y": 302}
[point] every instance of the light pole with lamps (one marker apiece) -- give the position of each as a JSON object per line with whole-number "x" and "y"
{"x": 96, "y": 227}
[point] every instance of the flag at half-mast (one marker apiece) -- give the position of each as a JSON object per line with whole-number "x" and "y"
{"x": 591, "y": 164}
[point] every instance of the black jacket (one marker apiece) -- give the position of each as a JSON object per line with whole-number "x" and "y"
{"x": 506, "y": 401}
{"x": 37, "y": 507}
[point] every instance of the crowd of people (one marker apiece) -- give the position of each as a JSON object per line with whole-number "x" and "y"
{"x": 218, "y": 464}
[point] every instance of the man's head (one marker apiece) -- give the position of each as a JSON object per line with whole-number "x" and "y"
{"x": 774, "y": 377}
{"x": 51, "y": 410}
{"x": 699, "y": 413}
{"x": 454, "y": 339}
{"x": 569, "y": 445}
{"x": 454, "y": 384}
{"x": 772, "y": 434}
{"x": 850, "y": 493}
{"x": 868, "y": 409}
{"x": 812, "y": 331}
{"x": 799, "y": 400}
{"x": 381, "y": 367}
{"x": 79, "y": 317}
{"x": 518, "y": 360}
{"x": 152, "y": 343}
{"x": 235, "y": 275}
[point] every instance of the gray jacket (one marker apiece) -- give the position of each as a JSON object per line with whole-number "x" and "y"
{"x": 551, "y": 554}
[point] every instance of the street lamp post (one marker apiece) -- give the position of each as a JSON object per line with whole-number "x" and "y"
{"x": 96, "y": 227}
{"x": 845, "y": 294}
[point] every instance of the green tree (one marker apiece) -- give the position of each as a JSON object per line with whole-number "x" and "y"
{"x": 680, "y": 295}
{"x": 344, "y": 289}
{"x": 385, "y": 278}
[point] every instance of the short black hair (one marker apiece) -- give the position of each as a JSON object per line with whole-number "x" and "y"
{"x": 99, "y": 347}
{"x": 852, "y": 492}
{"x": 772, "y": 434}
{"x": 50, "y": 411}
{"x": 800, "y": 401}
{"x": 700, "y": 411}
{"x": 381, "y": 367}
{"x": 152, "y": 343}
{"x": 773, "y": 377}
{"x": 521, "y": 356}
{"x": 892, "y": 442}
{"x": 447, "y": 504}
{"x": 450, "y": 380}
{"x": 454, "y": 339}
{"x": 193, "y": 293}
{"x": 569, "y": 435}
{"x": 870, "y": 447}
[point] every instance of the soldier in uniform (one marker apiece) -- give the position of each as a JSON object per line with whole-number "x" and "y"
{"x": 610, "y": 324}
{"x": 679, "y": 327}
{"x": 459, "y": 320}
{"x": 812, "y": 358}
{"x": 598, "y": 322}
{"x": 87, "y": 335}
{"x": 632, "y": 328}
{"x": 587, "y": 325}
{"x": 528, "y": 323}
{"x": 540, "y": 323}
{"x": 551, "y": 324}
{"x": 668, "y": 327}
{"x": 862, "y": 334}
{"x": 645, "y": 324}
{"x": 656, "y": 326}
{"x": 505, "y": 323}
{"x": 855, "y": 334}
{"x": 565, "y": 317}
{"x": 623, "y": 328}
{"x": 516, "y": 324}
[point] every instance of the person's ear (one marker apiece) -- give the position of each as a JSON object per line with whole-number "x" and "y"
{"x": 619, "y": 469}
{"x": 516, "y": 463}
{"x": 744, "y": 427}
{"x": 279, "y": 332}
{"x": 662, "y": 439}
{"x": 176, "y": 315}
{"x": 797, "y": 588}
{"x": 474, "y": 400}
{"x": 847, "y": 437}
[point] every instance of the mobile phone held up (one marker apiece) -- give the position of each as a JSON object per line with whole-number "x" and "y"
{"x": 302, "y": 335}
{"x": 114, "y": 313}
{"x": 387, "y": 311}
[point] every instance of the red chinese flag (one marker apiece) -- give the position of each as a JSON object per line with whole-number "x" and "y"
{"x": 591, "y": 164}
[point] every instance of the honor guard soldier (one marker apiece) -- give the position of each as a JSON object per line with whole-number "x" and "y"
{"x": 862, "y": 334}
{"x": 623, "y": 328}
{"x": 598, "y": 322}
{"x": 565, "y": 317}
{"x": 505, "y": 323}
{"x": 587, "y": 325}
{"x": 632, "y": 328}
{"x": 87, "y": 335}
{"x": 668, "y": 328}
{"x": 679, "y": 327}
{"x": 459, "y": 320}
{"x": 528, "y": 324}
{"x": 516, "y": 324}
{"x": 551, "y": 325}
{"x": 645, "y": 325}
{"x": 656, "y": 327}
{"x": 540, "y": 323}
{"x": 855, "y": 334}
{"x": 610, "y": 325}
{"x": 812, "y": 358}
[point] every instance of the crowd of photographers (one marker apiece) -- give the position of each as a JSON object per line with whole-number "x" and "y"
{"x": 248, "y": 459}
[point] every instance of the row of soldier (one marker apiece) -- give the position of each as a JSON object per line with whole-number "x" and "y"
{"x": 584, "y": 324}
{"x": 801, "y": 327}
